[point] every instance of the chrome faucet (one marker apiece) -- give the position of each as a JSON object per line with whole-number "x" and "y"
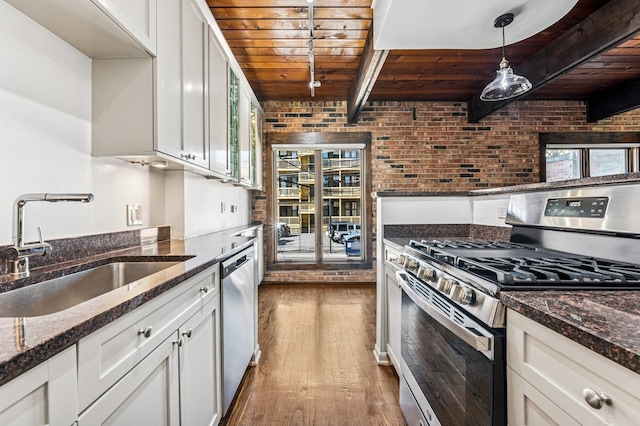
{"x": 16, "y": 257}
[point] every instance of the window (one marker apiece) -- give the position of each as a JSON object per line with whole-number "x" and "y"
{"x": 322, "y": 192}
{"x": 604, "y": 162}
{"x": 563, "y": 164}
{"x": 576, "y": 155}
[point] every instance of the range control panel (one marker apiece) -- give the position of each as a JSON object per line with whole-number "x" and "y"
{"x": 595, "y": 207}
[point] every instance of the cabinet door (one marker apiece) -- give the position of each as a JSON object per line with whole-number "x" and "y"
{"x": 168, "y": 68}
{"x": 527, "y": 406}
{"x": 244, "y": 136}
{"x": 200, "y": 369}
{"x": 394, "y": 305}
{"x": 234, "y": 125}
{"x": 195, "y": 33}
{"x": 256, "y": 148}
{"x": 147, "y": 395}
{"x": 44, "y": 395}
{"x": 218, "y": 109}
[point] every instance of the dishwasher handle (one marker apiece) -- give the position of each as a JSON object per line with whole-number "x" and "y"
{"x": 235, "y": 263}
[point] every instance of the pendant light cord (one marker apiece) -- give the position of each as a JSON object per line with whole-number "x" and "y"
{"x": 503, "y": 42}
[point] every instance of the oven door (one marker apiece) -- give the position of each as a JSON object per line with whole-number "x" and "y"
{"x": 454, "y": 366}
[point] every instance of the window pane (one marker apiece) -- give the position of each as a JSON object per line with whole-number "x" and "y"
{"x": 603, "y": 162}
{"x": 295, "y": 174}
{"x": 341, "y": 195}
{"x": 563, "y": 164}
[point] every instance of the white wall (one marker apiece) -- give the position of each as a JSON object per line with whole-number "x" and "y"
{"x": 194, "y": 205}
{"x": 45, "y": 146}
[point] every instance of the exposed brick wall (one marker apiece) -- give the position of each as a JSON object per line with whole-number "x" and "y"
{"x": 439, "y": 150}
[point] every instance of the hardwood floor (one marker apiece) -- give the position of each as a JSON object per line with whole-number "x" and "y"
{"x": 317, "y": 365}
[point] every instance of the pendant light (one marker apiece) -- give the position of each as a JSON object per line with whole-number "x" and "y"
{"x": 506, "y": 84}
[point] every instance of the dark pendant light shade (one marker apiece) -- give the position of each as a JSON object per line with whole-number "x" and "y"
{"x": 506, "y": 84}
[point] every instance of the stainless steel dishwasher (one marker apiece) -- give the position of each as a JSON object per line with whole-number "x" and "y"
{"x": 238, "y": 322}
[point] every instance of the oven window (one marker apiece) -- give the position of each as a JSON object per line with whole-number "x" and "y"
{"x": 462, "y": 386}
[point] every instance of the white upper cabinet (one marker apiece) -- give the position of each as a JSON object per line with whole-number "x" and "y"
{"x": 98, "y": 28}
{"x": 195, "y": 34}
{"x": 151, "y": 109}
{"x": 219, "y": 151}
{"x": 256, "y": 147}
{"x": 244, "y": 136}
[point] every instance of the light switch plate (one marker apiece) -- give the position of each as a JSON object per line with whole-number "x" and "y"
{"x": 134, "y": 214}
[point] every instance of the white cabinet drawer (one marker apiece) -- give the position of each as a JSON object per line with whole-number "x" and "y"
{"x": 562, "y": 369}
{"x": 109, "y": 353}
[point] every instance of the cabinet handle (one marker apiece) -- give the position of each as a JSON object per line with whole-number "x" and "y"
{"x": 146, "y": 332}
{"x": 205, "y": 289}
{"x": 179, "y": 342}
{"x": 188, "y": 332}
{"x": 594, "y": 399}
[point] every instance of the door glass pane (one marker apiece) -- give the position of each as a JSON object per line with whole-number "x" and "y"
{"x": 295, "y": 197}
{"x": 340, "y": 218}
{"x": 603, "y": 162}
{"x": 563, "y": 164}
{"x": 341, "y": 204}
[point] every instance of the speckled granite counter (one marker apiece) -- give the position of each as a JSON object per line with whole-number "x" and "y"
{"x": 607, "y": 322}
{"x": 26, "y": 342}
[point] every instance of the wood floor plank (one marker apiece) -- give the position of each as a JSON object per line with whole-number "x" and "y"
{"x": 317, "y": 365}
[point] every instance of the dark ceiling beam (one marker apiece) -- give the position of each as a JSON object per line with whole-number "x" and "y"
{"x": 616, "y": 100}
{"x": 604, "y": 29}
{"x": 371, "y": 63}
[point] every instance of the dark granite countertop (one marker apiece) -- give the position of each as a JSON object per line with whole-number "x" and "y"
{"x": 26, "y": 342}
{"x": 607, "y": 322}
{"x": 542, "y": 186}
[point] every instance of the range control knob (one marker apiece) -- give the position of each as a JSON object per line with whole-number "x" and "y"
{"x": 401, "y": 260}
{"x": 467, "y": 296}
{"x": 426, "y": 273}
{"x": 412, "y": 265}
{"x": 444, "y": 285}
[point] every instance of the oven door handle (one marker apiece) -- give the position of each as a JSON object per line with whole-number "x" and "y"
{"x": 477, "y": 341}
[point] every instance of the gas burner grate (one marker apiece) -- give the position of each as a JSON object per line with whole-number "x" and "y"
{"x": 578, "y": 271}
{"x": 468, "y": 244}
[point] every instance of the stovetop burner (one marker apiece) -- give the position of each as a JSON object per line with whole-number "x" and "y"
{"x": 516, "y": 266}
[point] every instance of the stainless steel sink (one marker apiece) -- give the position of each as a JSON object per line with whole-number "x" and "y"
{"x": 61, "y": 293}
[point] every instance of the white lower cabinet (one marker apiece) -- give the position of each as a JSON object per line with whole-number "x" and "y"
{"x": 159, "y": 364}
{"x": 45, "y": 395}
{"x": 552, "y": 380}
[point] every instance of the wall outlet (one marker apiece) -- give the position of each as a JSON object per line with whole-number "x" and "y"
{"x": 134, "y": 214}
{"x": 502, "y": 212}
{"x": 234, "y": 208}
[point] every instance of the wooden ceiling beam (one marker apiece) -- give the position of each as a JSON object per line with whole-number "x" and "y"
{"x": 371, "y": 62}
{"x": 606, "y": 28}
{"x": 616, "y": 100}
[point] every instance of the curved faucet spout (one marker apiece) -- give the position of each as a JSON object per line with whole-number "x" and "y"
{"x": 17, "y": 257}
{"x": 18, "y": 209}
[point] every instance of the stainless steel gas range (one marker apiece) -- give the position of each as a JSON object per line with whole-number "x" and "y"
{"x": 453, "y": 324}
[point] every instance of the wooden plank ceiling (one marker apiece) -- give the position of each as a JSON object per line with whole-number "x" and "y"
{"x": 269, "y": 39}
